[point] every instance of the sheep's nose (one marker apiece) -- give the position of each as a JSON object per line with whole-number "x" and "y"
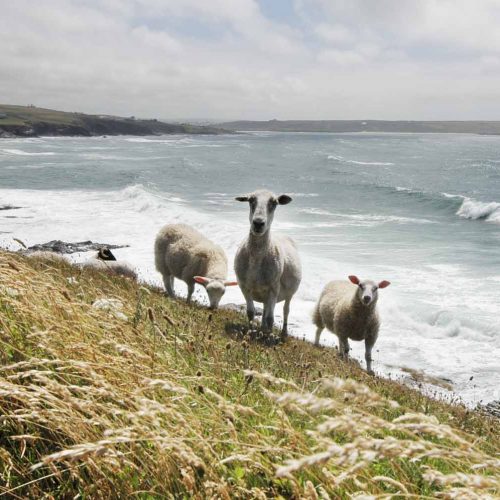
{"x": 258, "y": 225}
{"x": 367, "y": 299}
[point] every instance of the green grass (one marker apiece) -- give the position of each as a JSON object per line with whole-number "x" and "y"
{"x": 25, "y": 115}
{"x": 157, "y": 399}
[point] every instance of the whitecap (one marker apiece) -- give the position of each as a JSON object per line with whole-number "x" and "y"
{"x": 479, "y": 210}
{"x": 356, "y": 162}
{"x": 365, "y": 219}
{"x": 380, "y": 163}
{"x": 18, "y": 152}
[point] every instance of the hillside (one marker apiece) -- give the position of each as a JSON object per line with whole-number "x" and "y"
{"x": 28, "y": 121}
{"x": 109, "y": 389}
{"x": 337, "y": 126}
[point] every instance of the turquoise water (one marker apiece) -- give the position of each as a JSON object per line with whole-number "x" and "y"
{"x": 422, "y": 211}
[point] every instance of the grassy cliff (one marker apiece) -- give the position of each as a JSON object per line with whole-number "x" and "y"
{"x": 108, "y": 389}
{"x": 29, "y": 121}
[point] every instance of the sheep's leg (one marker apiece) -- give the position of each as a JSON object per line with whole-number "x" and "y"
{"x": 318, "y": 333}
{"x": 268, "y": 315}
{"x": 250, "y": 306}
{"x": 344, "y": 348}
{"x": 369, "y": 343}
{"x": 168, "y": 281}
{"x": 190, "y": 291}
{"x": 286, "y": 310}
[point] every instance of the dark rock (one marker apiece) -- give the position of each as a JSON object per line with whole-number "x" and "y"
{"x": 492, "y": 409}
{"x": 9, "y": 207}
{"x": 59, "y": 246}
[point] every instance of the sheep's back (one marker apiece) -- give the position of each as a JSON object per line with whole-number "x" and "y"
{"x": 335, "y": 300}
{"x": 187, "y": 253}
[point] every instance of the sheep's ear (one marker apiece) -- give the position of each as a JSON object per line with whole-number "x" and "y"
{"x": 230, "y": 283}
{"x": 109, "y": 254}
{"x": 202, "y": 280}
{"x": 384, "y": 284}
{"x": 284, "y": 199}
{"x": 242, "y": 198}
{"x": 354, "y": 279}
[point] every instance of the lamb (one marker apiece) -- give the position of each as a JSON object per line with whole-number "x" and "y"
{"x": 184, "y": 253}
{"x": 349, "y": 311}
{"x": 267, "y": 266}
{"x": 106, "y": 261}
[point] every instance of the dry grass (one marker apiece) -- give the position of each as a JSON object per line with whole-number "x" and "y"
{"x": 138, "y": 395}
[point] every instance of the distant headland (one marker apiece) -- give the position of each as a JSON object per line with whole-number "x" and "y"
{"x": 338, "y": 126}
{"x": 31, "y": 121}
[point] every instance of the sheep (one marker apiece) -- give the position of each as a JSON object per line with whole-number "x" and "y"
{"x": 105, "y": 260}
{"x": 184, "y": 253}
{"x": 348, "y": 309}
{"x": 267, "y": 266}
{"x": 46, "y": 255}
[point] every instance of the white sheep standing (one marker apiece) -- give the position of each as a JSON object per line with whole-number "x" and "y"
{"x": 184, "y": 253}
{"x": 267, "y": 266}
{"x": 348, "y": 309}
{"x": 104, "y": 260}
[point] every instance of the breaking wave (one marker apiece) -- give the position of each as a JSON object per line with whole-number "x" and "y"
{"x": 479, "y": 210}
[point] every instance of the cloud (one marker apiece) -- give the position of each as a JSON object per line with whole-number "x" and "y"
{"x": 392, "y": 59}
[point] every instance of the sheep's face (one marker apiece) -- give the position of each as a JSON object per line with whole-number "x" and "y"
{"x": 367, "y": 292}
{"x": 262, "y": 206}
{"x": 105, "y": 253}
{"x": 215, "y": 289}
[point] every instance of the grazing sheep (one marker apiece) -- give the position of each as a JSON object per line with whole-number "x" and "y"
{"x": 184, "y": 253}
{"x": 106, "y": 261}
{"x": 267, "y": 266}
{"x": 349, "y": 311}
{"x": 46, "y": 255}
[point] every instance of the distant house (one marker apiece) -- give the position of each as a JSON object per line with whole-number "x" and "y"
{"x": 3, "y": 115}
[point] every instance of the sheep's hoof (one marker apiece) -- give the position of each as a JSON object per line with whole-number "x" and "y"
{"x": 370, "y": 372}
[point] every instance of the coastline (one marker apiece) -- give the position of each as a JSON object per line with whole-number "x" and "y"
{"x": 367, "y": 126}
{"x": 26, "y": 121}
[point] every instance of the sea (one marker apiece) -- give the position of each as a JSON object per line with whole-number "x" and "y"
{"x": 419, "y": 210}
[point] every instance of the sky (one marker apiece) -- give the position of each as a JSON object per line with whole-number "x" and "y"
{"x": 254, "y": 59}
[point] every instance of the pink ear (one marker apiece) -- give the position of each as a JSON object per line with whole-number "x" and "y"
{"x": 230, "y": 283}
{"x": 201, "y": 279}
{"x": 354, "y": 279}
{"x": 384, "y": 284}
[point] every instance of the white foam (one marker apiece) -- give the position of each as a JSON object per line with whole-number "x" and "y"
{"x": 476, "y": 210}
{"x": 19, "y": 152}
{"x": 357, "y": 162}
{"x": 362, "y": 219}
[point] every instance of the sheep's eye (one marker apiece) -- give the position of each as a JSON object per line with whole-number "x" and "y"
{"x": 375, "y": 288}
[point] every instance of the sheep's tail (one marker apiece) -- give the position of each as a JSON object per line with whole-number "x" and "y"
{"x": 161, "y": 245}
{"x": 316, "y": 316}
